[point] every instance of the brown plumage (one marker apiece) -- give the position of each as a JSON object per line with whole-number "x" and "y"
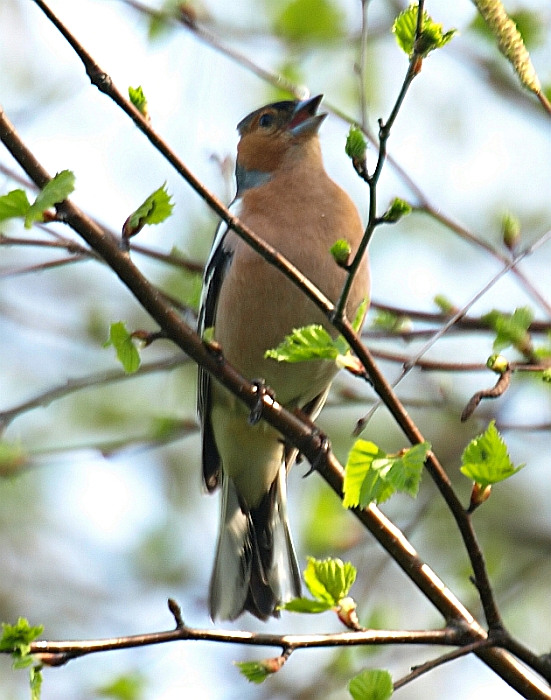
{"x": 286, "y": 197}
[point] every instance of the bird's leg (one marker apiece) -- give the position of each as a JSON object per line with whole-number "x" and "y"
{"x": 261, "y": 391}
{"x": 322, "y": 452}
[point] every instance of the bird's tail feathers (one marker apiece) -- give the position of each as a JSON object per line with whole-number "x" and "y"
{"x": 255, "y": 567}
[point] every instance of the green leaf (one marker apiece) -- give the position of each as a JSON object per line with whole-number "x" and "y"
{"x": 54, "y": 192}
{"x": 546, "y": 375}
{"x": 306, "y": 605}
{"x": 485, "y": 460}
{"x": 17, "y": 638}
{"x": 35, "y": 677}
{"x": 389, "y": 321}
{"x": 373, "y": 475}
{"x": 258, "y": 671}
{"x": 125, "y": 687}
{"x": 444, "y": 304}
{"x": 310, "y": 21}
{"x": 139, "y": 100}
{"x": 398, "y": 208}
{"x": 308, "y": 343}
{"x": 12, "y": 458}
{"x": 356, "y": 144}
{"x": 511, "y": 329}
{"x": 372, "y": 684}
{"x": 360, "y": 315}
{"x": 329, "y": 580}
{"x": 510, "y": 230}
{"x": 156, "y": 209}
{"x": 14, "y": 204}
{"x": 432, "y": 36}
{"x": 122, "y": 341}
{"x": 340, "y": 250}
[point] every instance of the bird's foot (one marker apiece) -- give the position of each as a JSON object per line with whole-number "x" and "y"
{"x": 261, "y": 391}
{"x": 322, "y": 451}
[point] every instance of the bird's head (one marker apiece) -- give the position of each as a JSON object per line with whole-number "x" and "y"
{"x": 274, "y": 135}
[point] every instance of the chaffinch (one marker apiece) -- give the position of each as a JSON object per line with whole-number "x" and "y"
{"x": 287, "y": 198}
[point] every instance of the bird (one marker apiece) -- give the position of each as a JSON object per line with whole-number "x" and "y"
{"x": 287, "y": 198}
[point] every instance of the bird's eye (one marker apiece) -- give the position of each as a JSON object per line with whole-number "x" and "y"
{"x": 266, "y": 120}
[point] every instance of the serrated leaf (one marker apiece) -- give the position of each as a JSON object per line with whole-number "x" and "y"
{"x": 329, "y": 580}
{"x": 254, "y": 671}
{"x": 307, "y": 605}
{"x": 54, "y": 192}
{"x": 19, "y": 636}
{"x": 154, "y": 210}
{"x": 121, "y": 340}
{"x": 356, "y": 144}
{"x": 432, "y": 36}
{"x": 485, "y": 460}
{"x": 138, "y": 99}
{"x": 511, "y": 329}
{"x": 373, "y": 475}
{"x": 308, "y": 343}
{"x": 14, "y": 204}
{"x": 373, "y": 684}
{"x": 310, "y": 20}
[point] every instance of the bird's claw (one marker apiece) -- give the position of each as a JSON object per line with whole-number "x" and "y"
{"x": 261, "y": 391}
{"x": 323, "y": 451}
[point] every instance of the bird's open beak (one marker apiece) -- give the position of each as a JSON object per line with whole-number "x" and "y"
{"x": 305, "y": 120}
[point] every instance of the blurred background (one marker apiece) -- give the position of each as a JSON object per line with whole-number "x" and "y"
{"x": 102, "y": 516}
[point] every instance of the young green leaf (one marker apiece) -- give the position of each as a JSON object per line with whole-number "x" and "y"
{"x": 139, "y": 100}
{"x": 511, "y": 329}
{"x": 12, "y": 458}
{"x": 432, "y": 36}
{"x": 122, "y": 341}
{"x": 315, "y": 343}
{"x": 445, "y": 305}
{"x": 340, "y": 250}
{"x": 398, "y": 209}
{"x": 307, "y": 605}
{"x": 13, "y": 205}
{"x": 156, "y": 209}
{"x": 485, "y": 460}
{"x": 129, "y": 686}
{"x": 310, "y": 21}
{"x": 373, "y": 684}
{"x": 258, "y": 671}
{"x": 373, "y": 475}
{"x": 54, "y": 192}
{"x": 17, "y": 638}
{"x": 35, "y": 677}
{"x": 356, "y": 144}
{"x": 510, "y": 230}
{"x": 329, "y": 580}
{"x": 360, "y": 315}
{"x": 308, "y": 343}
{"x": 389, "y": 321}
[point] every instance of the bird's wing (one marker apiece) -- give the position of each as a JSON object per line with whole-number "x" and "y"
{"x": 215, "y": 271}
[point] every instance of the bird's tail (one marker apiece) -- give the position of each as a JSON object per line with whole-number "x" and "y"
{"x": 255, "y": 567}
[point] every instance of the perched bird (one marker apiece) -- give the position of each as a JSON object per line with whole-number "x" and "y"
{"x": 287, "y": 198}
